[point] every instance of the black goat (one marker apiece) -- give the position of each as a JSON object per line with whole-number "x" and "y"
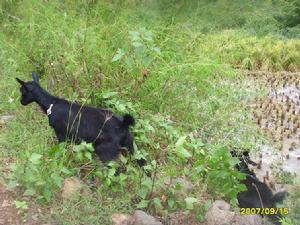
{"x": 108, "y": 132}
{"x": 258, "y": 194}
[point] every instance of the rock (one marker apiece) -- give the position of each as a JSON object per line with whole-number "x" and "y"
{"x": 6, "y": 118}
{"x": 219, "y": 214}
{"x": 73, "y": 186}
{"x": 185, "y": 185}
{"x": 5, "y": 203}
{"x": 142, "y": 218}
{"x": 221, "y": 204}
{"x": 35, "y": 217}
{"x": 181, "y": 218}
{"x": 85, "y": 191}
{"x": 121, "y": 219}
{"x": 247, "y": 220}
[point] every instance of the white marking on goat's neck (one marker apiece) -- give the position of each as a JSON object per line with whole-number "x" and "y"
{"x": 49, "y": 110}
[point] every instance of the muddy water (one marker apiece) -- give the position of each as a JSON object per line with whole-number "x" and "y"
{"x": 278, "y": 114}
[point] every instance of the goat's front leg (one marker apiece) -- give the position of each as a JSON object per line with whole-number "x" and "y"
{"x": 60, "y": 136}
{"x": 107, "y": 151}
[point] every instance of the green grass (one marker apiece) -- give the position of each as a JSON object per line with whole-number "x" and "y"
{"x": 170, "y": 63}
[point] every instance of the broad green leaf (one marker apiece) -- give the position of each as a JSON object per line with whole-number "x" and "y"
{"x": 190, "y": 202}
{"x": 35, "y": 158}
{"x": 143, "y": 204}
{"x": 180, "y": 141}
{"x": 29, "y": 192}
{"x": 137, "y": 44}
{"x": 120, "y": 53}
{"x": 47, "y": 193}
{"x": 65, "y": 170}
{"x": 135, "y": 35}
{"x": 147, "y": 182}
{"x": 109, "y": 94}
{"x": 234, "y": 161}
{"x": 143, "y": 192}
{"x": 183, "y": 153}
{"x": 21, "y": 204}
{"x": 57, "y": 179}
{"x": 123, "y": 159}
{"x": 12, "y": 184}
{"x": 148, "y": 36}
{"x": 88, "y": 155}
{"x": 122, "y": 177}
{"x": 156, "y": 49}
{"x": 171, "y": 203}
{"x": 157, "y": 201}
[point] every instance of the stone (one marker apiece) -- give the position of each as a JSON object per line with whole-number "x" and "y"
{"x": 141, "y": 218}
{"x": 221, "y": 204}
{"x": 5, "y": 118}
{"x": 121, "y": 219}
{"x": 186, "y": 186}
{"x": 247, "y": 220}
{"x": 73, "y": 186}
{"x": 219, "y": 213}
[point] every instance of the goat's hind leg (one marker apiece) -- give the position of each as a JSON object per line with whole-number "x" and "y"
{"x": 107, "y": 151}
{"x": 110, "y": 151}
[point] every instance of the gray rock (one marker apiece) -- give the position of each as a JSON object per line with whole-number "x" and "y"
{"x": 221, "y": 204}
{"x": 247, "y": 220}
{"x": 185, "y": 185}
{"x": 73, "y": 186}
{"x": 121, "y": 219}
{"x": 219, "y": 214}
{"x": 4, "y": 119}
{"x": 142, "y": 218}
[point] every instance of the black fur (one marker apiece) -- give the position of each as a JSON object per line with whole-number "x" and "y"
{"x": 108, "y": 132}
{"x": 258, "y": 194}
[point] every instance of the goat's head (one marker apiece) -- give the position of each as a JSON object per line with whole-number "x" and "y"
{"x": 27, "y": 89}
{"x": 245, "y": 160}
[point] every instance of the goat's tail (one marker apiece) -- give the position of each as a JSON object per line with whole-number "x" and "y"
{"x": 128, "y": 120}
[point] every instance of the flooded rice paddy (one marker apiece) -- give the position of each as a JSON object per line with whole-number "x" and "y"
{"x": 277, "y": 112}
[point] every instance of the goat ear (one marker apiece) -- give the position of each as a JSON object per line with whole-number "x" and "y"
{"x": 20, "y": 81}
{"x": 245, "y": 153}
{"x": 35, "y": 77}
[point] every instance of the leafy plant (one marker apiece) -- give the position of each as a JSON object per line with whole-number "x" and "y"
{"x": 40, "y": 175}
{"x": 21, "y": 205}
{"x": 219, "y": 167}
{"x": 143, "y": 52}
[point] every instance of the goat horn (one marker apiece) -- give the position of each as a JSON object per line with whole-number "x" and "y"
{"x": 20, "y": 81}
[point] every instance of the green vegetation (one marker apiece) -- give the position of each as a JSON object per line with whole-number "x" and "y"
{"x": 172, "y": 64}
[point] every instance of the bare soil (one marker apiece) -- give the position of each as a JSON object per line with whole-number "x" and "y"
{"x": 9, "y": 215}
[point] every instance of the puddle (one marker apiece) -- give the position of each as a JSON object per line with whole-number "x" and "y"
{"x": 278, "y": 114}
{"x": 292, "y": 163}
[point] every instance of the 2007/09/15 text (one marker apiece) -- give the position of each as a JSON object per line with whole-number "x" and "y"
{"x": 264, "y": 211}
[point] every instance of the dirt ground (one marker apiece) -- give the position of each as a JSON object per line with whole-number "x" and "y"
{"x": 9, "y": 215}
